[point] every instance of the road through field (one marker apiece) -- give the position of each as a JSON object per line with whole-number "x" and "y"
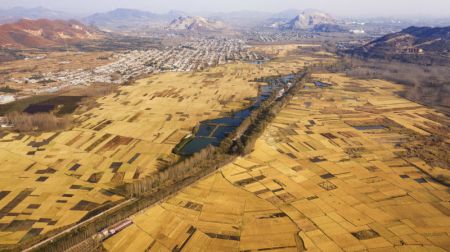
{"x": 50, "y": 239}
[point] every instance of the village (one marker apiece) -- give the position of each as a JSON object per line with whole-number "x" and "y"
{"x": 280, "y": 36}
{"x": 190, "y": 56}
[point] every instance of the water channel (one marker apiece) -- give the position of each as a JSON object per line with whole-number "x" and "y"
{"x": 212, "y": 132}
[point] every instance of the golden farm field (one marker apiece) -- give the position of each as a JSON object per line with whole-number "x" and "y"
{"x": 327, "y": 175}
{"x": 53, "y": 180}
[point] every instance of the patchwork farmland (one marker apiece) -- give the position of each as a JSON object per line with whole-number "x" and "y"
{"x": 56, "y": 179}
{"x": 330, "y": 173}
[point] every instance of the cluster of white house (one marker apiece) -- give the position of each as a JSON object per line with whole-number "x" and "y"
{"x": 190, "y": 56}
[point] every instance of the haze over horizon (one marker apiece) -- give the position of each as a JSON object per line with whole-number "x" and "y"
{"x": 351, "y": 8}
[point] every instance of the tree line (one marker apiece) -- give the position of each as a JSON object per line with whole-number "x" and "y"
{"x": 24, "y": 122}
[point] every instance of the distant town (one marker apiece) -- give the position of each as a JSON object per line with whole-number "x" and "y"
{"x": 190, "y": 56}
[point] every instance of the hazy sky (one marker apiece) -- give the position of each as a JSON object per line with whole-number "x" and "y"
{"x": 422, "y": 8}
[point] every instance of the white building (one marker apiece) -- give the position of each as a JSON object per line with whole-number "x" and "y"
{"x": 360, "y": 31}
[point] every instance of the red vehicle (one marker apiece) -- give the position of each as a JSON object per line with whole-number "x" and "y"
{"x": 110, "y": 231}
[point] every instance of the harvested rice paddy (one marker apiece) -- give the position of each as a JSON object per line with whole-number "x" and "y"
{"x": 55, "y": 179}
{"x": 325, "y": 176}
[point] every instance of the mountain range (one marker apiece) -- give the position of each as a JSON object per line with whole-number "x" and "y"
{"x": 18, "y": 13}
{"x": 43, "y": 33}
{"x": 129, "y": 18}
{"x": 126, "y": 19}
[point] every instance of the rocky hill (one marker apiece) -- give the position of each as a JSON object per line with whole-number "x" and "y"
{"x": 198, "y": 24}
{"x": 414, "y": 44}
{"x": 305, "y": 20}
{"x": 416, "y": 56}
{"x": 45, "y": 33}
